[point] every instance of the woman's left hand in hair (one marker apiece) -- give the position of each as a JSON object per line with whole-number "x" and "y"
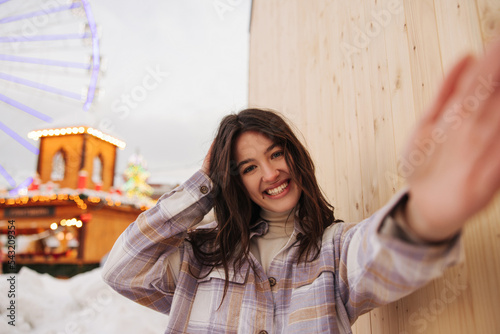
{"x": 452, "y": 161}
{"x": 205, "y": 167}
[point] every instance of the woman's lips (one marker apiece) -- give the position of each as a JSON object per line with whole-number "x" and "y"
{"x": 277, "y": 190}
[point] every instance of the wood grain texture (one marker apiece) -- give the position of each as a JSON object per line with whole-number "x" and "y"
{"x": 354, "y": 77}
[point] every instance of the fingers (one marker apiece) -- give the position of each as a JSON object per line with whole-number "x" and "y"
{"x": 482, "y": 83}
{"x": 206, "y": 162}
{"x": 449, "y": 87}
{"x": 489, "y": 66}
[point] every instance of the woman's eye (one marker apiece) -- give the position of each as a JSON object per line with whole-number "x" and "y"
{"x": 277, "y": 154}
{"x": 248, "y": 169}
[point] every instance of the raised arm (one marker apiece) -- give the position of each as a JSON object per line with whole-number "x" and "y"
{"x": 380, "y": 261}
{"x": 145, "y": 260}
{"x": 413, "y": 239}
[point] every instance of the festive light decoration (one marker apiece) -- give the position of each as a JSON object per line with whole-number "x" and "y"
{"x": 67, "y": 222}
{"x": 37, "y": 134}
{"x": 136, "y": 176}
{"x": 82, "y": 198}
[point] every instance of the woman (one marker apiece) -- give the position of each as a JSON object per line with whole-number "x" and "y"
{"x": 276, "y": 260}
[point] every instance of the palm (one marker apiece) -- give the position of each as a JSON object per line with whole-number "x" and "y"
{"x": 453, "y": 156}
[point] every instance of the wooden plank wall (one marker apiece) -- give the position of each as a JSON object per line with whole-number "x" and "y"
{"x": 354, "y": 76}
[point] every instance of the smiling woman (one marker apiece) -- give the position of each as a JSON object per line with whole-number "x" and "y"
{"x": 257, "y": 163}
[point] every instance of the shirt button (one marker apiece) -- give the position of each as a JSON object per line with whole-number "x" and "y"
{"x": 272, "y": 281}
{"x": 204, "y": 189}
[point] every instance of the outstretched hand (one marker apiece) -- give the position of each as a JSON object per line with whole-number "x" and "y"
{"x": 454, "y": 151}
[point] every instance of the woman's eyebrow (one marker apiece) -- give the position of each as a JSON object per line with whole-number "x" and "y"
{"x": 244, "y": 162}
{"x": 251, "y": 159}
{"x": 272, "y": 146}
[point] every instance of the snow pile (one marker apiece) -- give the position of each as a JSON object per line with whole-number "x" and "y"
{"x": 79, "y": 305}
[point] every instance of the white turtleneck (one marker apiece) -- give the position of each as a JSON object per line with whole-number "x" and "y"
{"x": 280, "y": 229}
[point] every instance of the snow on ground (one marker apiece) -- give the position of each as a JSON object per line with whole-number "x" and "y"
{"x": 79, "y": 305}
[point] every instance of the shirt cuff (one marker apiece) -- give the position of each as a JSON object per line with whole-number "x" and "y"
{"x": 396, "y": 225}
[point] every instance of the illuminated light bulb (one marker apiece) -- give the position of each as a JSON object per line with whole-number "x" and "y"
{"x": 57, "y": 132}
{"x": 63, "y": 132}
{"x": 79, "y": 224}
{"x": 45, "y": 133}
{"x": 53, "y": 226}
{"x": 90, "y": 130}
{"x": 81, "y": 129}
{"x": 51, "y": 132}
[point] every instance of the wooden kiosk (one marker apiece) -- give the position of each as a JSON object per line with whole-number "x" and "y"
{"x": 70, "y": 214}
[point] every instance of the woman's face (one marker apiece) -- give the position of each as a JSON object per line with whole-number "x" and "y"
{"x": 264, "y": 172}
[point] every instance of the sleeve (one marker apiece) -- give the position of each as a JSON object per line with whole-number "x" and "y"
{"x": 145, "y": 259}
{"x": 380, "y": 262}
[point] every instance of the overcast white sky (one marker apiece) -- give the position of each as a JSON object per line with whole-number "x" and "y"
{"x": 198, "y": 50}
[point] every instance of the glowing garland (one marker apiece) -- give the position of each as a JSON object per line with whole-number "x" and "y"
{"x": 37, "y": 134}
{"x": 24, "y": 200}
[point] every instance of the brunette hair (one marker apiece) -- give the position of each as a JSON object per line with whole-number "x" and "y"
{"x": 229, "y": 241}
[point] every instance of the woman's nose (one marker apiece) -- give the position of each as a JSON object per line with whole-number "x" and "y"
{"x": 270, "y": 173}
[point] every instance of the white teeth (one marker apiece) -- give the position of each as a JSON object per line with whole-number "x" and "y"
{"x": 277, "y": 190}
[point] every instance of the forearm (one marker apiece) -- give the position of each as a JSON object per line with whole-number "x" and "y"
{"x": 384, "y": 264}
{"x": 142, "y": 264}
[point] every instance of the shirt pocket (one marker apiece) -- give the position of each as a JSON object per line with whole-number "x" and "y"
{"x": 210, "y": 289}
{"x": 312, "y": 305}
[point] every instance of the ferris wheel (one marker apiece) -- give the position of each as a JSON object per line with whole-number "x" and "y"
{"x": 49, "y": 50}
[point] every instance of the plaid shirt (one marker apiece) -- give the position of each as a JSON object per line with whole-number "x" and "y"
{"x": 360, "y": 266}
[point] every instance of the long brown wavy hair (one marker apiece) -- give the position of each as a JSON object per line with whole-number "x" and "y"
{"x": 234, "y": 211}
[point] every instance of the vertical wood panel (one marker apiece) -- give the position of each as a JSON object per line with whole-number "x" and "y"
{"x": 458, "y": 26}
{"x": 425, "y": 53}
{"x": 489, "y": 16}
{"x": 355, "y": 92}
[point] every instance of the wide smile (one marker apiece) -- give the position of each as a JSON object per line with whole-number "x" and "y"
{"x": 278, "y": 190}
